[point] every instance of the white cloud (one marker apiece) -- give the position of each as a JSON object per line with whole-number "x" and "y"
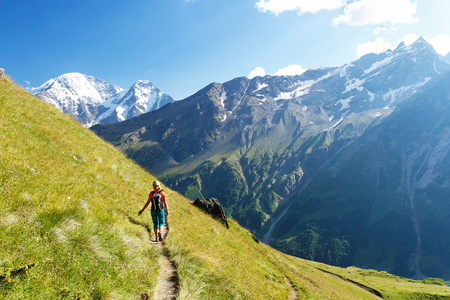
{"x": 409, "y": 39}
{"x": 377, "y": 46}
{"x": 291, "y": 70}
{"x": 373, "y": 12}
{"x": 258, "y": 71}
{"x": 441, "y": 44}
{"x": 379, "y": 30}
{"x": 301, "y": 6}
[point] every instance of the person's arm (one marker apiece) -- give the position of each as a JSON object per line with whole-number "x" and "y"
{"x": 166, "y": 207}
{"x": 146, "y": 204}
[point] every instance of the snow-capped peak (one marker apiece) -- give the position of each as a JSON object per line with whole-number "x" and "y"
{"x": 142, "y": 97}
{"x": 91, "y": 100}
{"x": 75, "y": 88}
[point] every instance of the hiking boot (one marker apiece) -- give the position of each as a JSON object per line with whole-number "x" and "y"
{"x": 159, "y": 236}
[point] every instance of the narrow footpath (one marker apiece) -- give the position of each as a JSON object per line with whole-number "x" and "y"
{"x": 168, "y": 284}
{"x": 293, "y": 294}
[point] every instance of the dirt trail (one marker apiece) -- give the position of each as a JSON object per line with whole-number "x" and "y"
{"x": 168, "y": 284}
{"x": 293, "y": 294}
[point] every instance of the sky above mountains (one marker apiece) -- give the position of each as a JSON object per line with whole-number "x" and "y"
{"x": 183, "y": 45}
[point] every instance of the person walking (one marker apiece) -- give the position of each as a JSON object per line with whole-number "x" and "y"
{"x": 159, "y": 209}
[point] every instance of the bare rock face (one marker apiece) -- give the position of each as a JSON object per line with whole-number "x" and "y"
{"x": 2, "y": 73}
{"x": 212, "y": 207}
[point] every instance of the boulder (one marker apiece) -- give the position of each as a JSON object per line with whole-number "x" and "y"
{"x": 212, "y": 207}
{"x": 2, "y": 73}
{"x": 255, "y": 239}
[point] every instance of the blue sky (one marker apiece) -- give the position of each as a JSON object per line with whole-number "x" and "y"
{"x": 181, "y": 46}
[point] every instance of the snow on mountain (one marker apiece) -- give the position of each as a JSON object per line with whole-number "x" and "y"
{"x": 142, "y": 97}
{"x": 375, "y": 81}
{"x": 76, "y": 85}
{"x": 76, "y": 94}
{"x": 90, "y": 100}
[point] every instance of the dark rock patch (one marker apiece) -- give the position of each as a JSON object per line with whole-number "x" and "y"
{"x": 212, "y": 207}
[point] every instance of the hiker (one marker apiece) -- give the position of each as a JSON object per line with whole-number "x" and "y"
{"x": 159, "y": 207}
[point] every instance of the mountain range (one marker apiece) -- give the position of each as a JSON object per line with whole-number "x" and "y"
{"x": 382, "y": 200}
{"x": 69, "y": 229}
{"x": 91, "y": 101}
{"x": 312, "y": 164}
{"x": 325, "y": 165}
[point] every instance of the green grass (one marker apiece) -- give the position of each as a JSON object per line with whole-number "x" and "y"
{"x": 64, "y": 198}
{"x": 390, "y": 286}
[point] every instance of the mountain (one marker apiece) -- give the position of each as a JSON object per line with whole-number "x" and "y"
{"x": 77, "y": 95}
{"x": 90, "y": 100}
{"x": 447, "y": 57}
{"x": 69, "y": 229}
{"x": 256, "y": 145}
{"x": 383, "y": 200}
{"x": 142, "y": 97}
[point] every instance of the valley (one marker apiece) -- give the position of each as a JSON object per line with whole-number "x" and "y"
{"x": 275, "y": 152}
{"x": 301, "y": 162}
{"x": 67, "y": 201}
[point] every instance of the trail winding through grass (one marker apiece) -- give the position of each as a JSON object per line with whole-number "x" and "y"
{"x": 293, "y": 295}
{"x": 168, "y": 283}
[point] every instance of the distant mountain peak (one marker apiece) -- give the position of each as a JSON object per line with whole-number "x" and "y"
{"x": 143, "y": 83}
{"x": 400, "y": 46}
{"x": 420, "y": 44}
{"x": 421, "y": 40}
{"x": 90, "y": 100}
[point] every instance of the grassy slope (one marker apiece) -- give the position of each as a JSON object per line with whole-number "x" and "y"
{"x": 64, "y": 233}
{"x": 63, "y": 192}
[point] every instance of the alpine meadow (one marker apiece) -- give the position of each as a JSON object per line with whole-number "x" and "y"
{"x": 225, "y": 150}
{"x": 69, "y": 228}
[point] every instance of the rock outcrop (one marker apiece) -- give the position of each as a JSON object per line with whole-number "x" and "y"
{"x": 212, "y": 207}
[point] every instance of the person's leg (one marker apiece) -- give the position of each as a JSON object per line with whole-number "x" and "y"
{"x": 161, "y": 223}
{"x": 155, "y": 220}
{"x": 161, "y": 218}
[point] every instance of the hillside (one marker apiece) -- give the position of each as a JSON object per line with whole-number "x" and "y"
{"x": 259, "y": 145}
{"x": 254, "y": 143}
{"x": 397, "y": 208}
{"x": 64, "y": 232}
